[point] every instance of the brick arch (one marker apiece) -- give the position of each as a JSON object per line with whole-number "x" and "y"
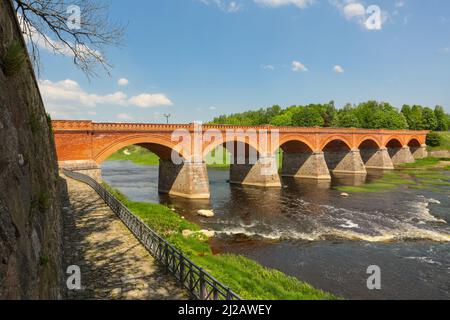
{"x": 211, "y": 146}
{"x": 293, "y": 139}
{"x": 394, "y": 138}
{"x": 336, "y": 138}
{"x": 148, "y": 141}
{"x": 419, "y": 141}
{"x": 369, "y": 138}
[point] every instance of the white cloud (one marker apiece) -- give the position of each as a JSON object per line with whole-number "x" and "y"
{"x": 268, "y": 67}
{"x": 124, "y": 117}
{"x": 354, "y": 11}
{"x": 338, "y": 69}
{"x": 123, "y": 82}
{"x": 297, "y": 66}
{"x": 227, "y": 6}
{"x": 212, "y": 108}
{"x": 65, "y": 99}
{"x": 278, "y": 3}
{"x": 147, "y": 100}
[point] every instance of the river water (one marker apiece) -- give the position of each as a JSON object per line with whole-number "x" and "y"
{"x": 308, "y": 230}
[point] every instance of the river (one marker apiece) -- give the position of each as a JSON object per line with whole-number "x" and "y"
{"x": 308, "y": 230}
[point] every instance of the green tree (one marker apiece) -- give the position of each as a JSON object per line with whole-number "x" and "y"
{"x": 282, "y": 120}
{"x": 429, "y": 119}
{"x": 416, "y": 118}
{"x": 441, "y": 118}
{"x": 348, "y": 120}
{"x": 308, "y": 117}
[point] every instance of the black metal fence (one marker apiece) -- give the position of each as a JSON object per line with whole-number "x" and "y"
{"x": 199, "y": 283}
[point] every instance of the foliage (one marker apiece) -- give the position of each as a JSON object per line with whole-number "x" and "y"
{"x": 308, "y": 116}
{"x": 246, "y": 277}
{"x": 442, "y": 120}
{"x": 369, "y": 115}
{"x": 434, "y": 139}
{"x": 445, "y": 142}
{"x": 13, "y": 59}
{"x": 429, "y": 119}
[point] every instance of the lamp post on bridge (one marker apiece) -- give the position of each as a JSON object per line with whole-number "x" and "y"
{"x": 167, "y": 116}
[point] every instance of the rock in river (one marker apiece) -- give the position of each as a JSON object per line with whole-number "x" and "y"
{"x": 206, "y": 213}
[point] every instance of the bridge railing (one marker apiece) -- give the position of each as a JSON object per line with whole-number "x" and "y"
{"x": 198, "y": 282}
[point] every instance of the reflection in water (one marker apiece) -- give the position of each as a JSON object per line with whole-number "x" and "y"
{"x": 308, "y": 230}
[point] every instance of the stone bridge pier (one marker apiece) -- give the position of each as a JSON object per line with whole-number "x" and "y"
{"x": 305, "y": 165}
{"x": 343, "y": 160}
{"x": 187, "y": 180}
{"x": 264, "y": 173}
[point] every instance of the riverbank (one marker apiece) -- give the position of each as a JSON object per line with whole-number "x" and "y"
{"x": 246, "y": 277}
{"x": 424, "y": 174}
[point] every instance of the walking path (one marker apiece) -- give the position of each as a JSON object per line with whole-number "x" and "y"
{"x": 114, "y": 265}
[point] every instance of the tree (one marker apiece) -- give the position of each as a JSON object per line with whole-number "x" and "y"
{"x": 308, "y": 117}
{"x": 441, "y": 118}
{"x": 434, "y": 139}
{"x": 348, "y": 120}
{"x": 429, "y": 119}
{"x": 416, "y": 118}
{"x": 282, "y": 120}
{"x": 406, "y": 111}
{"x": 54, "y": 25}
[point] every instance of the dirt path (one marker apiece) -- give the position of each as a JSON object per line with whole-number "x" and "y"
{"x": 114, "y": 265}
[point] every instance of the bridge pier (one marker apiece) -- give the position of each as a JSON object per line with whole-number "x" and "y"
{"x": 377, "y": 159}
{"x": 401, "y": 155}
{"x": 87, "y": 167}
{"x": 346, "y": 162}
{"x": 186, "y": 180}
{"x": 262, "y": 174}
{"x": 305, "y": 165}
{"x": 420, "y": 152}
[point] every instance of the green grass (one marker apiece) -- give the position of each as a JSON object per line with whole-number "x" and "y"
{"x": 423, "y": 174}
{"x": 445, "y": 142}
{"x": 246, "y": 277}
{"x": 422, "y": 163}
{"x": 13, "y": 59}
{"x": 138, "y": 155}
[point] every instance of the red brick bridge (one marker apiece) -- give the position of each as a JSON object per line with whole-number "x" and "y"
{"x": 307, "y": 152}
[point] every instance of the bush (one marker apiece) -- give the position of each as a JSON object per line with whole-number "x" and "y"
{"x": 434, "y": 139}
{"x": 13, "y": 59}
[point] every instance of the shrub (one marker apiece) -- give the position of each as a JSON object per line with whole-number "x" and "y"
{"x": 434, "y": 139}
{"x": 13, "y": 59}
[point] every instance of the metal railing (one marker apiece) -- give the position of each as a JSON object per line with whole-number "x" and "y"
{"x": 199, "y": 283}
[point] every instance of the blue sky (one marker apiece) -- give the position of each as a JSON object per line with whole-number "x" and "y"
{"x": 197, "y": 59}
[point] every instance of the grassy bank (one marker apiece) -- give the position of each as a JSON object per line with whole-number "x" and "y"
{"x": 246, "y": 277}
{"x": 445, "y": 142}
{"x": 423, "y": 174}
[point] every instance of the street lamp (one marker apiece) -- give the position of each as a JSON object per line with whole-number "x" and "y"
{"x": 167, "y": 116}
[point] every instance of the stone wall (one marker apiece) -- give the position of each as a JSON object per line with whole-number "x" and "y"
{"x": 30, "y": 221}
{"x": 439, "y": 154}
